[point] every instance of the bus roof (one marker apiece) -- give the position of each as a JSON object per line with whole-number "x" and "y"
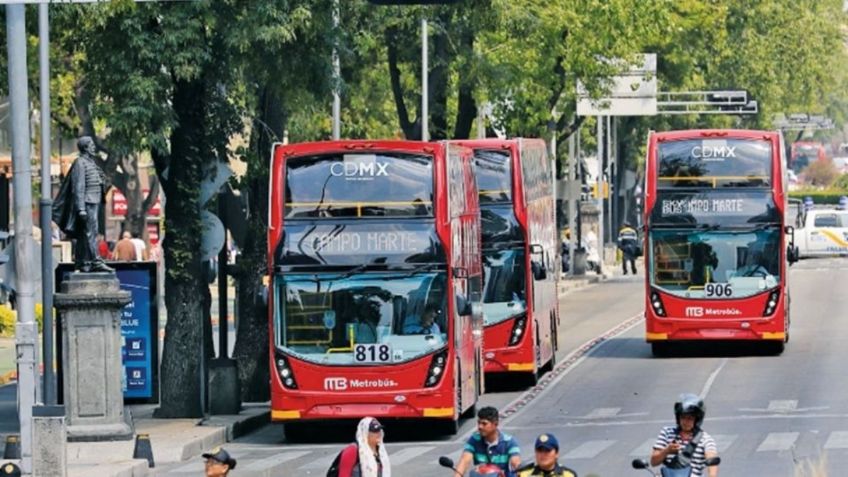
{"x": 694, "y": 133}
{"x": 359, "y": 145}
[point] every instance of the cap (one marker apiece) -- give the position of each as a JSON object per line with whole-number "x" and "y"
{"x": 375, "y": 426}
{"x": 10, "y": 470}
{"x": 547, "y": 441}
{"x": 222, "y": 456}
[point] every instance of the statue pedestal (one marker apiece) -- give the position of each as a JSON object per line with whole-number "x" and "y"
{"x": 91, "y": 305}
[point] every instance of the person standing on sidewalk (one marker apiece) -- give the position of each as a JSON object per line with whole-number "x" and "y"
{"x": 628, "y": 243}
{"x": 219, "y": 463}
{"x": 367, "y": 457}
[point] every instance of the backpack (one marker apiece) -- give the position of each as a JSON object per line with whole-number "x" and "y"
{"x": 333, "y": 471}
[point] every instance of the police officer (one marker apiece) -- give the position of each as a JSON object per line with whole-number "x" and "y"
{"x": 10, "y": 470}
{"x": 546, "y": 465}
{"x": 628, "y": 243}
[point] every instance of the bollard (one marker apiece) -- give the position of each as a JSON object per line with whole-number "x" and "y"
{"x": 10, "y": 470}
{"x": 143, "y": 449}
{"x": 13, "y": 448}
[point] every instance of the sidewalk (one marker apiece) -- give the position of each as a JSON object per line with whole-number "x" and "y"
{"x": 172, "y": 440}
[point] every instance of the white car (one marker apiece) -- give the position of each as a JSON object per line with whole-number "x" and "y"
{"x": 821, "y": 233}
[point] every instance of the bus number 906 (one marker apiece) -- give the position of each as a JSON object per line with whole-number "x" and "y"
{"x": 718, "y": 290}
{"x": 372, "y": 353}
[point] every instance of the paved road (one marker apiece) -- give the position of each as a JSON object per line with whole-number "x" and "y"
{"x": 767, "y": 412}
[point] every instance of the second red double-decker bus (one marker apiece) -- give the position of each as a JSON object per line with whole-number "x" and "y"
{"x": 716, "y": 251}
{"x": 520, "y": 254}
{"x": 375, "y": 273}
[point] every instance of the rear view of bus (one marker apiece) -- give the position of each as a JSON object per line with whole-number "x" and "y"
{"x": 716, "y": 251}
{"x": 374, "y": 284}
{"x": 520, "y": 254}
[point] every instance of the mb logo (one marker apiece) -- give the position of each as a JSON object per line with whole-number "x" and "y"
{"x": 694, "y": 311}
{"x": 335, "y": 384}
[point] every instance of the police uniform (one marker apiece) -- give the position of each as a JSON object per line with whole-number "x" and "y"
{"x": 547, "y": 442}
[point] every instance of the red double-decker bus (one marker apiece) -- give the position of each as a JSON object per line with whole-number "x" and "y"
{"x": 520, "y": 255}
{"x": 375, "y": 282}
{"x": 716, "y": 251}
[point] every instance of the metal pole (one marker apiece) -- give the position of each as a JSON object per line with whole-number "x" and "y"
{"x": 600, "y": 181}
{"x": 572, "y": 210}
{"x": 610, "y": 177}
{"x": 223, "y": 330}
{"x": 46, "y": 203}
{"x": 337, "y": 101}
{"x": 580, "y": 177}
{"x": 425, "y": 113}
{"x": 26, "y": 332}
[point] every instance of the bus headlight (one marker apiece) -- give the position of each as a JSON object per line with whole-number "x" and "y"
{"x": 657, "y": 304}
{"x": 518, "y": 327}
{"x": 437, "y": 368}
{"x": 771, "y": 304}
{"x": 285, "y": 372}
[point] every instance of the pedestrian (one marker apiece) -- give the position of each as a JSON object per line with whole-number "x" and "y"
{"x": 547, "y": 460}
{"x": 219, "y": 463}
{"x": 102, "y": 247}
{"x": 367, "y": 457}
{"x": 628, "y": 243}
{"x": 490, "y": 446}
{"x": 684, "y": 448}
{"x": 125, "y": 249}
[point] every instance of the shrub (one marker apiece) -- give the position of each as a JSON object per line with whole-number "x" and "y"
{"x": 823, "y": 196}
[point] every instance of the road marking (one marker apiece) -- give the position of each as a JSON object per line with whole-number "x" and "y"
{"x": 778, "y": 441}
{"x": 724, "y": 441}
{"x": 712, "y": 378}
{"x": 407, "y": 454}
{"x": 275, "y": 460}
{"x": 588, "y": 450}
{"x": 837, "y": 440}
{"x": 603, "y": 412}
{"x": 783, "y": 406}
{"x": 644, "y": 449}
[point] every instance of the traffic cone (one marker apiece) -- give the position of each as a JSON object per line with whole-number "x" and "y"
{"x": 143, "y": 449}
{"x": 13, "y": 448}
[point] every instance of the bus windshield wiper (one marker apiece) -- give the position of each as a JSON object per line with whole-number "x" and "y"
{"x": 422, "y": 268}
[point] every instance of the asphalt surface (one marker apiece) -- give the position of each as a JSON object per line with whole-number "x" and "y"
{"x": 770, "y": 415}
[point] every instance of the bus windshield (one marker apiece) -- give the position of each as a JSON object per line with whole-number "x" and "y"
{"x": 503, "y": 287}
{"x": 327, "y": 317}
{"x": 359, "y": 185}
{"x": 714, "y": 163}
{"x": 494, "y": 176}
{"x": 691, "y": 263}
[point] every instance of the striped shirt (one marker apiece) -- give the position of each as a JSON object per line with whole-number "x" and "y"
{"x": 707, "y": 444}
{"x": 497, "y": 453}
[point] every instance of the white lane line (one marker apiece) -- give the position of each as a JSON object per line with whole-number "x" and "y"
{"x": 778, "y": 441}
{"x": 837, "y": 440}
{"x": 644, "y": 449}
{"x": 724, "y": 441}
{"x": 588, "y": 449}
{"x": 783, "y": 406}
{"x": 321, "y": 463}
{"x": 712, "y": 378}
{"x": 398, "y": 458}
{"x": 274, "y": 460}
{"x": 603, "y": 412}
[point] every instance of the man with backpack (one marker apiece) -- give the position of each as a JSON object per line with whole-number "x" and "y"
{"x": 367, "y": 457}
{"x": 683, "y": 449}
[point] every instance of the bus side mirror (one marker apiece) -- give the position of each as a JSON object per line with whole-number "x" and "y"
{"x": 539, "y": 270}
{"x": 463, "y": 306}
{"x": 792, "y": 254}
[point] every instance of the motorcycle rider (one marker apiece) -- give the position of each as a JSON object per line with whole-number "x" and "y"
{"x": 490, "y": 446}
{"x": 682, "y": 449}
{"x": 546, "y": 465}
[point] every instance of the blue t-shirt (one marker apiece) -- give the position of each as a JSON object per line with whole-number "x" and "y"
{"x": 497, "y": 454}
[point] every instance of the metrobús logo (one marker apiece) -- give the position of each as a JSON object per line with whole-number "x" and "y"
{"x": 343, "y": 384}
{"x": 699, "y": 311}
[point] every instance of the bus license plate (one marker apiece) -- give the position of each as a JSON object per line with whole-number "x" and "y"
{"x": 372, "y": 353}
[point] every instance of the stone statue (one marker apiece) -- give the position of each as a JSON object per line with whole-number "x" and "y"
{"x": 77, "y": 206}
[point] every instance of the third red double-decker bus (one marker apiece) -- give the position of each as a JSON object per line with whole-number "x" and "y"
{"x": 375, "y": 274}
{"x": 715, "y": 250}
{"x": 520, "y": 254}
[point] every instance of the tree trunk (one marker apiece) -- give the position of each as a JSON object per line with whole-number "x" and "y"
{"x": 466, "y": 109}
{"x": 251, "y": 348}
{"x": 180, "y": 368}
{"x": 411, "y": 130}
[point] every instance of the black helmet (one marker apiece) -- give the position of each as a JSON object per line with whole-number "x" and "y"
{"x": 690, "y": 404}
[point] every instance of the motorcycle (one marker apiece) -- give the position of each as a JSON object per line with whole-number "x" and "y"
{"x": 481, "y": 470}
{"x": 646, "y": 465}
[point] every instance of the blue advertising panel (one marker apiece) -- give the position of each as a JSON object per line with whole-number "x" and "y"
{"x": 139, "y": 329}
